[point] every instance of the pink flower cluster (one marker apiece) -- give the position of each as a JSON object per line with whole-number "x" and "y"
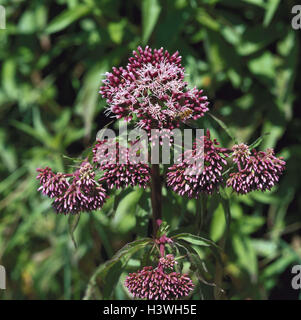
{"x": 155, "y": 284}
{"x": 119, "y": 167}
{"x": 160, "y": 283}
{"x": 72, "y": 193}
{"x": 207, "y": 178}
{"x": 256, "y": 170}
{"x": 167, "y": 262}
{"x": 151, "y": 90}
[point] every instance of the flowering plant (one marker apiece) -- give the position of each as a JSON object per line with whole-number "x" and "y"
{"x": 151, "y": 95}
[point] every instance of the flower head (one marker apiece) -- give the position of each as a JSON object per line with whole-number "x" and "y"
{"x": 206, "y": 178}
{"x": 241, "y": 152}
{"x": 44, "y": 174}
{"x": 119, "y": 166}
{"x": 155, "y": 284}
{"x": 152, "y": 90}
{"x": 75, "y": 192}
{"x": 256, "y": 170}
{"x": 53, "y": 185}
{"x": 167, "y": 262}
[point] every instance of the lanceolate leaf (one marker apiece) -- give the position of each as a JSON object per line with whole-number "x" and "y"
{"x": 225, "y": 127}
{"x": 189, "y": 241}
{"x": 258, "y": 141}
{"x": 193, "y": 239}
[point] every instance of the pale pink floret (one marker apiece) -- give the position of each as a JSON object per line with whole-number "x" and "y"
{"x": 115, "y": 173}
{"x": 206, "y": 179}
{"x": 73, "y": 193}
{"x": 151, "y": 91}
{"x": 155, "y": 284}
{"x": 255, "y": 170}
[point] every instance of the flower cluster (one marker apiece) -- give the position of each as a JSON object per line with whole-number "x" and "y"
{"x": 167, "y": 262}
{"x": 155, "y": 284}
{"x": 256, "y": 170}
{"x": 120, "y": 167}
{"x": 152, "y": 91}
{"x": 72, "y": 193}
{"x": 207, "y": 165}
{"x": 52, "y": 185}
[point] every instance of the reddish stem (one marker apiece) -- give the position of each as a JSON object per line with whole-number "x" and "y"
{"x": 156, "y": 189}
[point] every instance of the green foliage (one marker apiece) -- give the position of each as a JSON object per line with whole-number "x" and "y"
{"x": 243, "y": 53}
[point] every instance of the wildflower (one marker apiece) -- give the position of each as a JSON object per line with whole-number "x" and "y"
{"x": 44, "y": 174}
{"x": 75, "y": 192}
{"x": 241, "y": 152}
{"x": 256, "y": 170}
{"x": 54, "y": 185}
{"x": 167, "y": 262}
{"x": 151, "y": 90}
{"x": 120, "y": 174}
{"x": 155, "y": 284}
{"x": 207, "y": 178}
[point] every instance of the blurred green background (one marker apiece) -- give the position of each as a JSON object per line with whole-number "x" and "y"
{"x": 243, "y": 53}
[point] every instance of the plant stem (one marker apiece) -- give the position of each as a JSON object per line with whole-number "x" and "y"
{"x": 219, "y": 274}
{"x": 201, "y": 212}
{"x": 156, "y": 188}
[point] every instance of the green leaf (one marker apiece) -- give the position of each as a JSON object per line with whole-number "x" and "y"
{"x": 87, "y": 98}
{"x": 225, "y": 127}
{"x": 189, "y": 241}
{"x": 258, "y": 141}
{"x": 226, "y": 206}
{"x": 265, "y": 248}
{"x": 245, "y": 253}
{"x": 193, "y": 239}
{"x": 272, "y": 6}
{"x": 250, "y": 224}
{"x": 150, "y": 13}
{"x": 9, "y": 78}
{"x": 121, "y": 258}
{"x": 218, "y": 224}
{"x": 125, "y": 219}
{"x": 116, "y": 30}
{"x": 206, "y": 20}
{"x": 259, "y": 3}
{"x": 254, "y": 39}
{"x": 263, "y": 67}
{"x": 66, "y": 18}
{"x": 276, "y": 131}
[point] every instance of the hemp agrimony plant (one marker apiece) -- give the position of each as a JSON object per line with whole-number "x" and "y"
{"x": 150, "y": 95}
